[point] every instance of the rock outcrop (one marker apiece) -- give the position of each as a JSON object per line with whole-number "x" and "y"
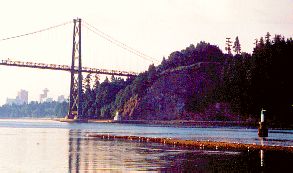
{"x": 175, "y": 92}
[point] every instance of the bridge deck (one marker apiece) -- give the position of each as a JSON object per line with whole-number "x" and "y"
{"x": 65, "y": 68}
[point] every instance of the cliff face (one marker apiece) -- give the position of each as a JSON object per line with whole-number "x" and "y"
{"x": 175, "y": 93}
{"x": 201, "y": 83}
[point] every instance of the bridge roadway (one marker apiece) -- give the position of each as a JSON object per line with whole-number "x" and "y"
{"x": 65, "y": 68}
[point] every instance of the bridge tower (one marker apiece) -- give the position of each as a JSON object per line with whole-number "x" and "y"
{"x": 75, "y": 98}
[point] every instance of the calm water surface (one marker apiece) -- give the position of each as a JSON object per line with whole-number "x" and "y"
{"x": 48, "y": 146}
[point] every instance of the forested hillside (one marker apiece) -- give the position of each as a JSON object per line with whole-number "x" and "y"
{"x": 200, "y": 83}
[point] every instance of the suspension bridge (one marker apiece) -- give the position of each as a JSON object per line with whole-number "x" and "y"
{"x": 76, "y": 69}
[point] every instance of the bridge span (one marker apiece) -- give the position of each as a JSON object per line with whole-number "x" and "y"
{"x": 76, "y": 69}
{"x": 9, "y": 62}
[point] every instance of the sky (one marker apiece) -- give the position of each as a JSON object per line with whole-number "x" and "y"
{"x": 153, "y": 27}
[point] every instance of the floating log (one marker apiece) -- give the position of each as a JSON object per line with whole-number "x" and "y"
{"x": 196, "y": 144}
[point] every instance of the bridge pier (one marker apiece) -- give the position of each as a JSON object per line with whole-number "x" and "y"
{"x": 75, "y": 98}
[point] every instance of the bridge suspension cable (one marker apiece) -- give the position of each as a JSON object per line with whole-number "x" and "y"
{"x": 95, "y": 31}
{"x": 117, "y": 43}
{"x": 36, "y": 32}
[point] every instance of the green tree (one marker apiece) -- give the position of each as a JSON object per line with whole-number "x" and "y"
{"x": 106, "y": 80}
{"x": 261, "y": 42}
{"x": 267, "y": 37}
{"x": 152, "y": 74}
{"x": 97, "y": 81}
{"x": 113, "y": 79}
{"x": 237, "y": 46}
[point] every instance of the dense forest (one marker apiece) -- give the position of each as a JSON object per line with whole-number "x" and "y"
{"x": 34, "y": 110}
{"x": 200, "y": 83}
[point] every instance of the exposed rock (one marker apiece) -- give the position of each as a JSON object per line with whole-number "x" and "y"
{"x": 169, "y": 95}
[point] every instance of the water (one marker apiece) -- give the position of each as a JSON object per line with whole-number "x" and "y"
{"x": 224, "y": 134}
{"x": 48, "y": 146}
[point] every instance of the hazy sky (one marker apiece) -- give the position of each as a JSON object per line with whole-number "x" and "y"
{"x": 154, "y": 27}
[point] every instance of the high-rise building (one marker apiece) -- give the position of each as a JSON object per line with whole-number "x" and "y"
{"x": 21, "y": 98}
{"x": 43, "y": 97}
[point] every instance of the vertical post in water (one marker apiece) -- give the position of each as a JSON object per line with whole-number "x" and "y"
{"x": 75, "y": 98}
{"x": 262, "y": 129}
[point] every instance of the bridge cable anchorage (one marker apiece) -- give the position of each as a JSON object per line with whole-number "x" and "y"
{"x": 117, "y": 43}
{"x": 36, "y": 32}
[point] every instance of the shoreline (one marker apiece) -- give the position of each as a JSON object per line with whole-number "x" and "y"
{"x": 163, "y": 122}
{"x": 181, "y": 123}
{"x": 192, "y": 144}
{"x": 173, "y": 123}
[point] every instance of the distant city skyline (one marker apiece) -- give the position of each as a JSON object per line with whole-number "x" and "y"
{"x": 156, "y": 28}
{"x": 22, "y": 97}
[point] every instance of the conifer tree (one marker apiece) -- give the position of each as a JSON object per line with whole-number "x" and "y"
{"x": 237, "y": 46}
{"x": 228, "y": 46}
{"x": 267, "y": 37}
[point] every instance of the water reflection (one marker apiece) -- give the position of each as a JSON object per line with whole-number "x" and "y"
{"x": 73, "y": 153}
{"x": 95, "y": 155}
{"x": 25, "y": 148}
{"x": 262, "y": 158}
{"x": 89, "y": 154}
{"x": 262, "y": 139}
